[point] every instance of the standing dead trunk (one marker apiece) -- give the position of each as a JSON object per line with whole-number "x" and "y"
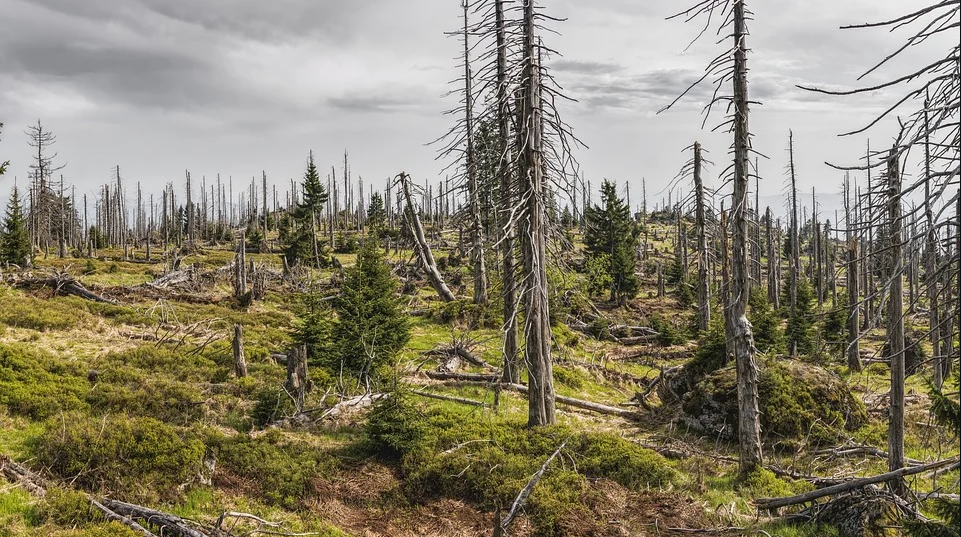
{"x": 773, "y": 277}
{"x": 533, "y": 234}
{"x": 660, "y": 280}
{"x": 930, "y": 265}
{"x": 505, "y": 223}
{"x": 726, "y": 289}
{"x": 297, "y": 381}
{"x": 240, "y": 267}
{"x": 477, "y": 226}
{"x": 424, "y": 253}
{"x": 240, "y": 361}
{"x": 853, "y": 350}
{"x": 795, "y": 236}
{"x": 895, "y": 325}
{"x": 749, "y": 425}
{"x": 703, "y": 290}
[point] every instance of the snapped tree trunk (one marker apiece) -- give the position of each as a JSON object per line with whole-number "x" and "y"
{"x": 240, "y": 361}
{"x": 477, "y": 226}
{"x": 297, "y": 381}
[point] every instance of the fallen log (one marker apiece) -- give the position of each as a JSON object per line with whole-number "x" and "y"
{"x": 360, "y": 401}
{"x": 111, "y": 515}
{"x": 470, "y": 377}
{"x": 442, "y": 397}
{"x": 170, "y": 525}
{"x": 774, "y": 503}
{"x": 63, "y": 284}
{"x": 17, "y": 473}
{"x": 580, "y": 403}
{"x": 500, "y": 528}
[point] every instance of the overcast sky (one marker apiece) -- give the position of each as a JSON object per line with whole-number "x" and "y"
{"x": 239, "y": 86}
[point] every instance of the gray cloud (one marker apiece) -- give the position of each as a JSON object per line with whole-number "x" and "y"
{"x": 585, "y": 67}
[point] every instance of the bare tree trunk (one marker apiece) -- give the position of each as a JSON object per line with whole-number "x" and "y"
{"x": 749, "y": 426}
{"x": 423, "y": 249}
{"x": 297, "y": 381}
{"x": 773, "y": 279}
{"x": 533, "y": 230}
{"x": 795, "y": 236}
{"x": 477, "y": 235}
{"x": 240, "y": 361}
{"x": 240, "y": 267}
{"x": 505, "y": 172}
{"x": 726, "y": 288}
{"x": 930, "y": 266}
{"x": 703, "y": 290}
{"x": 895, "y": 326}
{"x": 853, "y": 350}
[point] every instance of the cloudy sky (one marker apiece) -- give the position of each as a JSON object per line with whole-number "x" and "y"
{"x": 239, "y": 86}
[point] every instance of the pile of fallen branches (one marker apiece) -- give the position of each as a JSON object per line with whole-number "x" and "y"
{"x": 606, "y": 330}
{"x": 60, "y": 282}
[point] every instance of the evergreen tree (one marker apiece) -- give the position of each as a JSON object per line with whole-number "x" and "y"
{"x": 14, "y": 240}
{"x": 371, "y": 327}
{"x": 613, "y": 233}
{"x": 767, "y": 325}
{"x": 799, "y": 324}
{"x": 313, "y": 198}
{"x": 376, "y": 213}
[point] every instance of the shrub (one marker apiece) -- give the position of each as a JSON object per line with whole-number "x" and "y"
{"x": 36, "y": 384}
{"x": 135, "y": 457}
{"x": 282, "y": 469}
{"x": 447, "y": 453}
{"x": 767, "y": 326}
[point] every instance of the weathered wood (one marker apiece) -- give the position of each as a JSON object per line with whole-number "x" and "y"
{"x": 240, "y": 360}
{"x": 526, "y": 491}
{"x": 297, "y": 380}
{"x": 774, "y": 503}
{"x": 111, "y": 515}
{"x": 895, "y": 325}
{"x": 700, "y": 229}
{"x": 451, "y": 398}
{"x": 472, "y": 377}
{"x": 424, "y": 254}
{"x": 17, "y": 473}
{"x": 170, "y": 525}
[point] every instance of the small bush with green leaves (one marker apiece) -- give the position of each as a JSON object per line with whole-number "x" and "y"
{"x": 451, "y": 453}
{"x": 36, "y": 384}
{"x": 283, "y": 469}
{"x": 136, "y": 457}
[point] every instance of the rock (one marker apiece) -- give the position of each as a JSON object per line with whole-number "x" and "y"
{"x": 797, "y": 401}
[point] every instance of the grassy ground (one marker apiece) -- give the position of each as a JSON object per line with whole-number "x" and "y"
{"x": 92, "y": 399}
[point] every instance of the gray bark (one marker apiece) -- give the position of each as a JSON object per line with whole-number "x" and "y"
{"x": 895, "y": 325}
{"x": 477, "y": 226}
{"x": 506, "y": 225}
{"x": 749, "y": 426}
{"x": 533, "y": 234}
{"x": 240, "y": 360}
{"x": 703, "y": 290}
{"x": 853, "y": 351}
{"x": 423, "y": 249}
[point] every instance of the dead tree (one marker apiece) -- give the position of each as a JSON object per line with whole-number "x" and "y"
{"x": 533, "y": 230}
{"x": 240, "y": 267}
{"x": 723, "y": 68}
{"x": 853, "y": 351}
{"x": 506, "y": 181}
{"x": 240, "y": 361}
{"x": 895, "y": 326}
{"x": 773, "y": 266}
{"x": 700, "y": 226}
{"x": 424, "y": 254}
{"x": 297, "y": 383}
{"x": 795, "y": 237}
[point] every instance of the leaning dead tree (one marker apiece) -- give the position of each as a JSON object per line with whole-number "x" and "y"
{"x": 424, "y": 254}
{"x": 732, "y": 65}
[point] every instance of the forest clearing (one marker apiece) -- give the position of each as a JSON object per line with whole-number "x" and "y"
{"x": 506, "y": 348}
